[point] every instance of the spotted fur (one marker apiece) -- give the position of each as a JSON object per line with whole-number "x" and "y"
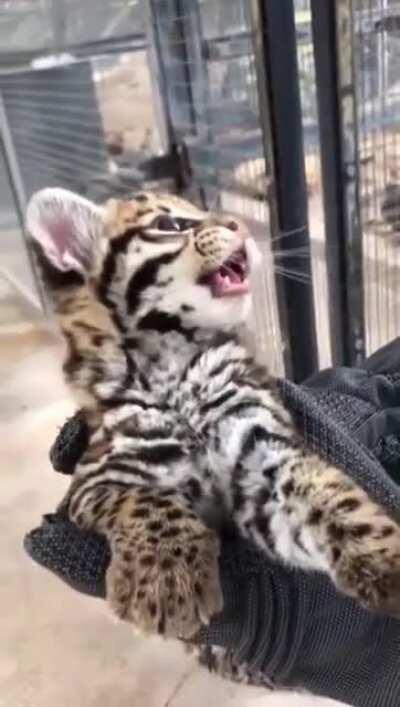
{"x": 186, "y": 431}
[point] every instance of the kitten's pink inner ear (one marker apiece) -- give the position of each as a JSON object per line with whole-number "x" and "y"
{"x": 66, "y": 226}
{"x": 63, "y": 245}
{"x": 61, "y": 234}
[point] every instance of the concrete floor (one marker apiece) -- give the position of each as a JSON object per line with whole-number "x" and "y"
{"x": 58, "y": 647}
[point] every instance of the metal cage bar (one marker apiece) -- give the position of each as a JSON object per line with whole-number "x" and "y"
{"x": 350, "y": 177}
{"x": 280, "y": 108}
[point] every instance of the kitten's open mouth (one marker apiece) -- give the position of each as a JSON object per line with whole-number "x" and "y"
{"x": 231, "y": 278}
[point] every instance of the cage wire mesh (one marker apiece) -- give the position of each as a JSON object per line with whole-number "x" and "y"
{"x": 377, "y": 77}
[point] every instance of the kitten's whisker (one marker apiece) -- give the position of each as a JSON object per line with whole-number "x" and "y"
{"x": 296, "y": 271}
{"x": 294, "y": 252}
{"x": 293, "y": 275}
{"x": 285, "y": 234}
{"x": 302, "y": 281}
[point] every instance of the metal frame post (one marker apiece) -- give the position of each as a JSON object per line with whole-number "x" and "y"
{"x": 280, "y": 108}
{"x": 333, "y": 51}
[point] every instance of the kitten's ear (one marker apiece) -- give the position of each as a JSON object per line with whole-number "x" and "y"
{"x": 66, "y": 226}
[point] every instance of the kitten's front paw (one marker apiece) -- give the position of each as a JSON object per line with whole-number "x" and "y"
{"x": 166, "y": 581}
{"x": 373, "y": 579}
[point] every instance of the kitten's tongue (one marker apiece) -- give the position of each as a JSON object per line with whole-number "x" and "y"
{"x": 224, "y": 283}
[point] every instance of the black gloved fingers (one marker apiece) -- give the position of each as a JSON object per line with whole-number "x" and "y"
{"x": 70, "y": 444}
{"x": 77, "y": 557}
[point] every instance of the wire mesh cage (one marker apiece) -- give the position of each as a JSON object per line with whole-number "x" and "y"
{"x": 377, "y": 57}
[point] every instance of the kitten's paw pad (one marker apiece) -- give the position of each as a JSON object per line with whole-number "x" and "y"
{"x": 171, "y": 587}
{"x": 373, "y": 580}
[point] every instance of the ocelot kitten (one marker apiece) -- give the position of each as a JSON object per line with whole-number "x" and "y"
{"x": 186, "y": 431}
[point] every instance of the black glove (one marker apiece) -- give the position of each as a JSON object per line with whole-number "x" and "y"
{"x": 367, "y": 402}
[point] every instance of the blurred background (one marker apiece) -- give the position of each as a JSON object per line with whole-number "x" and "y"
{"x": 285, "y": 112}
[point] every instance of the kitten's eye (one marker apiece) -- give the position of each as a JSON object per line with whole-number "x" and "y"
{"x": 185, "y": 223}
{"x": 165, "y": 223}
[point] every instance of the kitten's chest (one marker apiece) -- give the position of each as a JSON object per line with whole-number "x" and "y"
{"x": 159, "y": 425}
{"x": 160, "y": 444}
{"x": 163, "y": 431}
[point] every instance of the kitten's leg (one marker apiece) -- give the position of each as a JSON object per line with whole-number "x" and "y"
{"x": 316, "y": 517}
{"x": 164, "y": 575}
{"x": 361, "y": 542}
